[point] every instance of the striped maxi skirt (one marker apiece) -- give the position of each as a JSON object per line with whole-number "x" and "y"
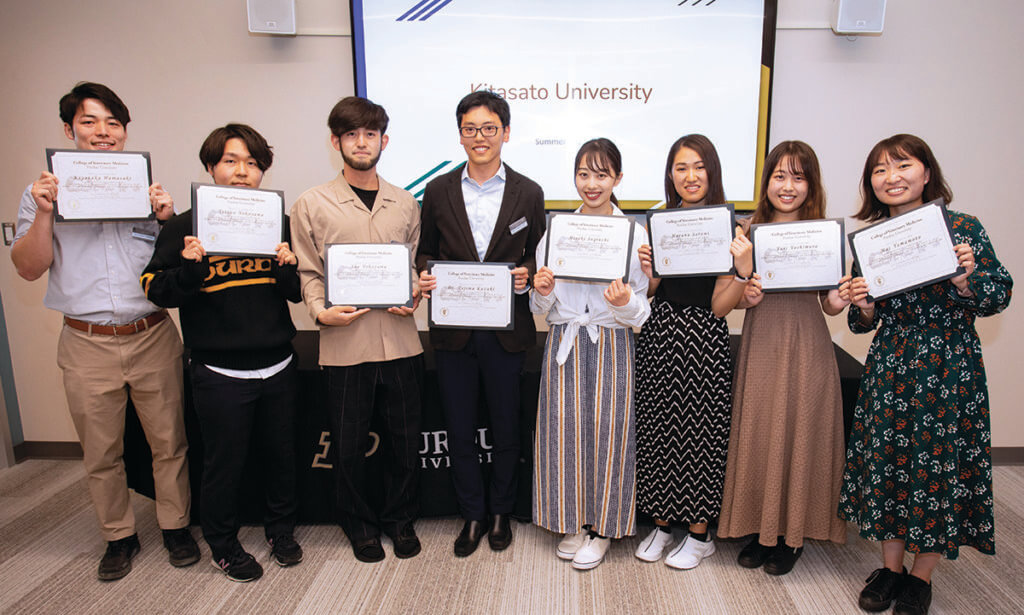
{"x": 585, "y": 450}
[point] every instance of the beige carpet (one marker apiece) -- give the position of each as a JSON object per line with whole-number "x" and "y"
{"x": 49, "y": 549}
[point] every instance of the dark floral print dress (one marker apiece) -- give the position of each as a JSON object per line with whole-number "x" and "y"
{"x": 918, "y": 465}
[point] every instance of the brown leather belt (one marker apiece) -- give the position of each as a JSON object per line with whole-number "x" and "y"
{"x": 118, "y": 330}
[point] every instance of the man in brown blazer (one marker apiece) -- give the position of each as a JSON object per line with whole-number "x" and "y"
{"x": 483, "y": 211}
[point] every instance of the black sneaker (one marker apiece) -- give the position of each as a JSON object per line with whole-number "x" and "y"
{"x": 182, "y": 549}
{"x": 239, "y": 566}
{"x": 407, "y": 544}
{"x": 914, "y": 598}
{"x": 882, "y": 588}
{"x": 284, "y": 550}
{"x": 754, "y": 555}
{"x": 117, "y": 561}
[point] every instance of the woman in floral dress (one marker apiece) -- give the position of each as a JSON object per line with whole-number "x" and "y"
{"x": 918, "y": 474}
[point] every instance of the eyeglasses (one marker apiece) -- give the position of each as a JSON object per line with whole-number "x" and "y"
{"x": 487, "y": 130}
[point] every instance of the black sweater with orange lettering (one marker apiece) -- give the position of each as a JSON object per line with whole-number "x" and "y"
{"x": 234, "y": 310}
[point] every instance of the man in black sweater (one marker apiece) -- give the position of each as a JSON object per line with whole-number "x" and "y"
{"x": 235, "y": 320}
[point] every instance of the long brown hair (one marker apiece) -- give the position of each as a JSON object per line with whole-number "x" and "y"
{"x": 712, "y": 166}
{"x": 799, "y": 157}
{"x": 900, "y": 147}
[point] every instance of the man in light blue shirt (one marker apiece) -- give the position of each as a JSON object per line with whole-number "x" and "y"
{"x": 114, "y": 343}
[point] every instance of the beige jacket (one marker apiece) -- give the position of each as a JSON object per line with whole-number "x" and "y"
{"x": 332, "y": 213}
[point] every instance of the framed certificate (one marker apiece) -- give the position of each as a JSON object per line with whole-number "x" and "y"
{"x": 471, "y": 295}
{"x": 803, "y": 255}
{"x": 237, "y": 221}
{"x": 374, "y": 275}
{"x": 907, "y": 251}
{"x": 589, "y": 247}
{"x": 100, "y": 186}
{"x": 691, "y": 241}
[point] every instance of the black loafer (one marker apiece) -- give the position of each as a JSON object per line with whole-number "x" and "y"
{"x": 882, "y": 588}
{"x": 500, "y": 534}
{"x": 368, "y": 550}
{"x": 407, "y": 544}
{"x": 469, "y": 538}
{"x": 914, "y": 598}
{"x": 782, "y": 559}
{"x": 754, "y": 555}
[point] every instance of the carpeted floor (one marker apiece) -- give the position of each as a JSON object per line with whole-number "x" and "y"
{"x": 49, "y": 549}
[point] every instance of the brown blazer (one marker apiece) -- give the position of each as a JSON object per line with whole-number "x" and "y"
{"x": 445, "y": 235}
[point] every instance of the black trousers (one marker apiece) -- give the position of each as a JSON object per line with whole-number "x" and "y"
{"x": 353, "y": 394}
{"x": 460, "y": 374}
{"x": 235, "y": 413}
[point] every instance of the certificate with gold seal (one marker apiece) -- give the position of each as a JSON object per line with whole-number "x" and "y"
{"x": 802, "y": 255}
{"x": 100, "y": 185}
{"x": 691, "y": 241}
{"x": 236, "y": 220}
{"x": 471, "y": 295}
{"x": 373, "y": 275}
{"x": 907, "y": 251}
{"x": 589, "y": 247}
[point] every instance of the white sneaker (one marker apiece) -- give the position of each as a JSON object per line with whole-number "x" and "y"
{"x": 570, "y": 544}
{"x": 591, "y": 553}
{"x": 689, "y": 553}
{"x": 653, "y": 547}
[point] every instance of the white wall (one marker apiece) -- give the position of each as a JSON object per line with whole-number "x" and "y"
{"x": 950, "y": 73}
{"x": 947, "y": 71}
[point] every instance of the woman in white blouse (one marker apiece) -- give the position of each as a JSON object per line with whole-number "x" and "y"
{"x": 584, "y": 455}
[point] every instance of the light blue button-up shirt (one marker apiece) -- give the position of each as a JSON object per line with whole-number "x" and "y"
{"x": 96, "y": 267}
{"x": 483, "y": 202}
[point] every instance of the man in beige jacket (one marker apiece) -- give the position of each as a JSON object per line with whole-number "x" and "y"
{"x": 366, "y": 353}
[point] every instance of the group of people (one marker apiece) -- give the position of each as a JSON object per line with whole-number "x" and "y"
{"x": 660, "y": 424}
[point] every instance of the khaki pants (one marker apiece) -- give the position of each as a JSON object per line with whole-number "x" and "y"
{"x": 100, "y": 371}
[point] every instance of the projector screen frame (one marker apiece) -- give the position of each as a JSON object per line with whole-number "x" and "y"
{"x": 768, "y": 32}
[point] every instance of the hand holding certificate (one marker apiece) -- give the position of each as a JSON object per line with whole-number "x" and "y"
{"x": 471, "y": 295}
{"x": 371, "y": 275}
{"x": 232, "y": 220}
{"x": 906, "y": 251}
{"x": 97, "y": 186}
{"x": 804, "y": 255}
{"x": 589, "y": 247}
{"x": 691, "y": 241}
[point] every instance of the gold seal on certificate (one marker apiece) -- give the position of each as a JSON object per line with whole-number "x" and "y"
{"x": 471, "y": 295}
{"x": 589, "y": 247}
{"x": 237, "y": 221}
{"x": 803, "y": 255}
{"x": 691, "y": 241}
{"x": 905, "y": 252}
{"x": 373, "y": 275}
{"x": 97, "y": 186}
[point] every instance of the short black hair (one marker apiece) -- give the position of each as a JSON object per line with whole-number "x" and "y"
{"x": 213, "y": 147}
{"x": 353, "y": 112}
{"x": 484, "y": 98}
{"x": 70, "y": 102}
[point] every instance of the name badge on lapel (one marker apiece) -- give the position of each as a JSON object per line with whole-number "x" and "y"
{"x": 518, "y": 225}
